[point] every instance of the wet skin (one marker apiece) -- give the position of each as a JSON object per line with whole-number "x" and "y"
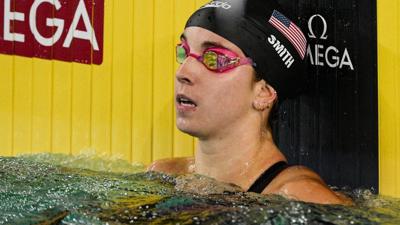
{"x": 229, "y": 119}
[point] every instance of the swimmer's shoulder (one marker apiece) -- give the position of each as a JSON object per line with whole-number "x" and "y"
{"x": 184, "y": 165}
{"x": 303, "y": 184}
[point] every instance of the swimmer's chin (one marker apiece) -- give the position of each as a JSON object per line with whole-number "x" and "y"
{"x": 189, "y": 130}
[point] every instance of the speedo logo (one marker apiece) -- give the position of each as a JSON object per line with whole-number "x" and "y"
{"x": 217, "y": 4}
{"x": 282, "y": 51}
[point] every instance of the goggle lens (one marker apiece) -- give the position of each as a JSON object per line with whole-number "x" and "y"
{"x": 181, "y": 54}
{"x": 210, "y": 60}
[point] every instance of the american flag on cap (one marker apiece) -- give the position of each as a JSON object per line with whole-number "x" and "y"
{"x": 291, "y": 32}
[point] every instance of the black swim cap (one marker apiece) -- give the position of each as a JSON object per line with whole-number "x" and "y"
{"x": 264, "y": 33}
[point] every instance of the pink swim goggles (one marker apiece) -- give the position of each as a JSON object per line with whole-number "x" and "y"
{"x": 216, "y": 59}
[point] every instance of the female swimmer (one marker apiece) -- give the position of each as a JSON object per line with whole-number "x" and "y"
{"x": 237, "y": 58}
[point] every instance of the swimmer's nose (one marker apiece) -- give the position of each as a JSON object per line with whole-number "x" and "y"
{"x": 185, "y": 73}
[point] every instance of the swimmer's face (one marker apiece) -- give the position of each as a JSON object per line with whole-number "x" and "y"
{"x": 221, "y": 100}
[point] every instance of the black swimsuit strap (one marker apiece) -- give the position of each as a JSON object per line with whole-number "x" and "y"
{"x": 262, "y": 182}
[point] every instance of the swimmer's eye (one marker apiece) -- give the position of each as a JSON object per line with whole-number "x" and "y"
{"x": 219, "y": 61}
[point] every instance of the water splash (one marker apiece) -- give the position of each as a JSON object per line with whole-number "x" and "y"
{"x": 59, "y": 189}
{"x": 88, "y": 159}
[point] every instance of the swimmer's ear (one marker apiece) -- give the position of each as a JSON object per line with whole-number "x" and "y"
{"x": 265, "y": 96}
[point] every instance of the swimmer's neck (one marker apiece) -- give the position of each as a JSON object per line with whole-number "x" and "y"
{"x": 237, "y": 158}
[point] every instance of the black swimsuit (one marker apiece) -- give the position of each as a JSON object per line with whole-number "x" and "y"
{"x": 262, "y": 182}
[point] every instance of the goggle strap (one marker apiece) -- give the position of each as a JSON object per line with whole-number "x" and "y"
{"x": 245, "y": 61}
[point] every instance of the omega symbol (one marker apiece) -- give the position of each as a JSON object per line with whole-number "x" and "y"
{"x": 311, "y": 33}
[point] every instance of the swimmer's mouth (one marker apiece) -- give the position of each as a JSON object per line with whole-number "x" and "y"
{"x": 185, "y": 101}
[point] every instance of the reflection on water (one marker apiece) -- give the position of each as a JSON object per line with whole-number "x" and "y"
{"x": 59, "y": 189}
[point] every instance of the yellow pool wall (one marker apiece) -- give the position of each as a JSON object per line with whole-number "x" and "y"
{"x": 389, "y": 96}
{"x": 123, "y": 107}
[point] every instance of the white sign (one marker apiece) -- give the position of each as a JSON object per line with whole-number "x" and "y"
{"x": 321, "y": 55}
{"x": 73, "y": 32}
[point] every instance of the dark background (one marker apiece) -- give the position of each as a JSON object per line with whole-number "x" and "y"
{"x": 333, "y": 127}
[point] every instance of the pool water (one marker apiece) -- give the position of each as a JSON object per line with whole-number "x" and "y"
{"x": 86, "y": 189}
